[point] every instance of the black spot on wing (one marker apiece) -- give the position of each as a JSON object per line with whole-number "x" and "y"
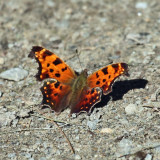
{"x": 57, "y": 61}
{"x": 56, "y": 94}
{"x": 48, "y": 64}
{"x": 47, "y": 52}
{"x": 57, "y": 75}
{"x": 44, "y": 56}
{"x": 51, "y": 70}
{"x": 36, "y": 49}
{"x": 105, "y": 70}
{"x": 57, "y": 84}
{"x": 98, "y": 82}
{"x": 97, "y": 75}
{"x": 115, "y": 65}
{"x": 92, "y": 91}
{"x": 63, "y": 69}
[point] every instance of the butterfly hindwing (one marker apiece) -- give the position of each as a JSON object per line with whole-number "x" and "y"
{"x": 88, "y": 99}
{"x": 105, "y": 77}
{"x": 55, "y": 95}
{"x": 51, "y": 66}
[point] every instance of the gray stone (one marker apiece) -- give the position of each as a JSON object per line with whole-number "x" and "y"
{"x": 77, "y": 156}
{"x": 24, "y": 113}
{"x": 148, "y": 157}
{"x": 15, "y": 74}
{"x": 7, "y": 118}
{"x": 50, "y": 3}
{"x": 11, "y": 155}
{"x": 28, "y": 155}
{"x": 131, "y": 109}
{"x": 14, "y": 122}
{"x": 92, "y": 124}
{"x": 124, "y": 147}
{"x": 141, "y": 5}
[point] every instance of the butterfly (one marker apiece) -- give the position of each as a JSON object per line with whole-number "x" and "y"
{"x": 65, "y": 88}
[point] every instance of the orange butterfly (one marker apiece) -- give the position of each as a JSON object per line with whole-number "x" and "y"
{"x": 66, "y": 88}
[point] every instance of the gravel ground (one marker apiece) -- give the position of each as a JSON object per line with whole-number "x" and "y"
{"x": 126, "y": 123}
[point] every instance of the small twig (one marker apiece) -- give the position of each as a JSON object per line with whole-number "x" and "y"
{"x": 69, "y": 143}
{"x": 60, "y": 129}
{"x": 55, "y": 122}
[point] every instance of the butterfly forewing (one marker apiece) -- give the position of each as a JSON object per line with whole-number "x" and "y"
{"x": 51, "y": 66}
{"x": 105, "y": 77}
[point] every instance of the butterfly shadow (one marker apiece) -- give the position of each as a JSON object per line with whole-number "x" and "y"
{"x": 119, "y": 89}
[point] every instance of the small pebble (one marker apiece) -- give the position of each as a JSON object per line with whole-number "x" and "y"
{"x": 124, "y": 147}
{"x": 24, "y": 113}
{"x": 1, "y": 61}
{"x": 7, "y": 118}
{"x": 92, "y": 124}
{"x": 28, "y": 155}
{"x": 15, "y": 74}
{"x": 131, "y": 109}
{"x": 106, "y": 130}
{"x": 50, "y": 3}
{"x": 11, "y": 155}
{"x": 77, "y": 156}
{"x": 141, "y": 5}
{"x": 148, "y": 157}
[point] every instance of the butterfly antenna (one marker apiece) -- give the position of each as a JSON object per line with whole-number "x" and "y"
{"x": 78, "y": 53}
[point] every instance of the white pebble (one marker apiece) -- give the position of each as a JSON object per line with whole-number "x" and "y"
{"x": 148, "y": 157}
{"x": 141, "y": 5}
{"x": 131, "y": 109}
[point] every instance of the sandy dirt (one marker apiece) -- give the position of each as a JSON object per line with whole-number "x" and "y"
{"x": 126, "y": 123}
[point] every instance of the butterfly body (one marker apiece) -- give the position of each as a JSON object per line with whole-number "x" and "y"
{"x": 65, "y": 88}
